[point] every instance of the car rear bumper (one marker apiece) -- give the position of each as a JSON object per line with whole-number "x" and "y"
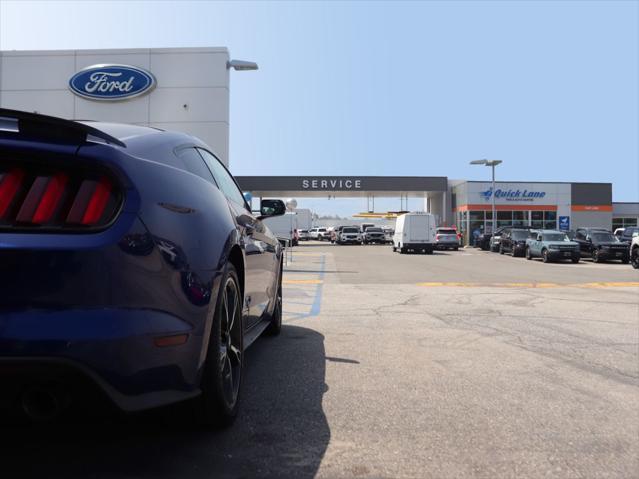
{"x": 418, "y": 246}
{"x": 113, "y": 349}
{"x": 447, "y": 244}
{"x": 99, "y": 307}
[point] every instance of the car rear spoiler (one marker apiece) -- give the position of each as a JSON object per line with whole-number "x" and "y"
{"x": 52, "y": 128}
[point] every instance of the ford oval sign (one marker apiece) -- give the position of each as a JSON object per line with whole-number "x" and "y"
{"x": 111, "y": 82}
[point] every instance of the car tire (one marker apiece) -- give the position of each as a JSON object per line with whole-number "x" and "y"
{"x": 625, "y": 260}
{"x": 456, "y": 248}
{"x": 528, "y": 254}
{"x": 501, "y": 249}
{"x": 544, "y": 256}
{"x": 275, "y": 327}
{"x": 394, "y": 249}
{"x": 596, "y": 258}
{"x": 218, "y": 404}
{"x": 575, "y": 260}
{"x": 634, "y": 258}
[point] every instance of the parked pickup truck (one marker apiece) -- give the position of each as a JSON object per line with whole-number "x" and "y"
{"x": 551, "y": 245}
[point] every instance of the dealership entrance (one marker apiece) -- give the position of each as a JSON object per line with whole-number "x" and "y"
{"x": 433, "y": 189}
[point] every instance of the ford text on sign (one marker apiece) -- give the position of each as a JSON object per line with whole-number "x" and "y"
{"x": 111, "y": 82}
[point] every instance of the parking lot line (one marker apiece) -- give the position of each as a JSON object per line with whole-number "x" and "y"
{"x": 302, "y": 281}
{"x": 605, "y": 284}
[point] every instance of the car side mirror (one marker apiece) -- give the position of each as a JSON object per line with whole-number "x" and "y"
{"x": 589, "y": 239}
{"x": 538, "y": 237}
{"x": 270, "y": 208}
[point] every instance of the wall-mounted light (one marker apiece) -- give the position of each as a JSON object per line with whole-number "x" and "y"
{"x": 241, "y": 65}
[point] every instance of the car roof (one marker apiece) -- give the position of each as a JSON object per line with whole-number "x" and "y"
{"x": 139, "y": 140}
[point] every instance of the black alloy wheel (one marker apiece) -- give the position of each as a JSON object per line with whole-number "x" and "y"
{"x": 544, "y": 256}
{"x": 596, "y": 258}
{"x": 222, "y": 376}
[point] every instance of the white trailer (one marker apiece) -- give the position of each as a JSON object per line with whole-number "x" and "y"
{"x": 283, "y": 226}
{"x": 415, "y": 232}
{"x": 304, "y": 219}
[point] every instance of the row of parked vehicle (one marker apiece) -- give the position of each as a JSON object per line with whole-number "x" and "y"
{"x": 599, "y": 244}
{"x": 366, "y": 233}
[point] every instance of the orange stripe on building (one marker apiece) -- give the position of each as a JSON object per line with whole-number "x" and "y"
{"x": 591, "y": 207}
{"x": 489, "y": 207}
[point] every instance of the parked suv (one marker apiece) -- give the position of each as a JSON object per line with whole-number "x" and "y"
{"x": 373, "y": 235}
{"x": 349, "y": 235}
{"x": 446, "y": 238}
{"x": 513, "y": 241}
{"x": 551, "y": 245}
{"x": 495, "y": 240}
{"x": 601, "y": 245}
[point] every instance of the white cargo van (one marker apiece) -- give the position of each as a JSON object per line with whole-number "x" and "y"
{"x": 415, "y": 232}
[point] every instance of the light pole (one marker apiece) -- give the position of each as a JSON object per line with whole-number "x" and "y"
{"x": 491, "y": 163}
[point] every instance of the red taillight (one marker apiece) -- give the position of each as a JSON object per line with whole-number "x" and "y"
{"x": 9, "y": 185}
{"x": 38, "y": 197}
{"x": 436, "y": 237}
{"x": 50, "y": 199}
{"x": 98, "y": 202}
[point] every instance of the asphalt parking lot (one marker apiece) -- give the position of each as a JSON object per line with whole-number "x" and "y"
{"x": 457, "y": 364}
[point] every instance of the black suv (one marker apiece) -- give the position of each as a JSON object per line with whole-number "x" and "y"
{"x": 513, "y": 241}
{"x": 601, "y": 245}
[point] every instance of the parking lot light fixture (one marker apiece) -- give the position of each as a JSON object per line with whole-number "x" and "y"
{"x": 491, "y": 163}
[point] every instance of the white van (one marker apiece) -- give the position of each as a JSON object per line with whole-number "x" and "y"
{"x": 415, "y": 232}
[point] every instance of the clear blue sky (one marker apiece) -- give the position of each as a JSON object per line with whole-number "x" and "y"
{"x": 396, "y": 88}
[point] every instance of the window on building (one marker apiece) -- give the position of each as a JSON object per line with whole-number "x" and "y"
{"x": 504, "y": 218}
{"x": 550, "y": 220}
{"x": 520, "y": 218}
{"x": 623, "y": 223}
{"x": 537, "y": 219}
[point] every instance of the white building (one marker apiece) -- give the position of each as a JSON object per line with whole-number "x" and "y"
{"x": 190, "y": 92}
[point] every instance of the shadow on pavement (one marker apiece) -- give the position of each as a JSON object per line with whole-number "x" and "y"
{"x": 281, "y": 430}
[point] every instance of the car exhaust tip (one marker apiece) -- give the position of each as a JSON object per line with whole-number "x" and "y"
{"x": 41, "y": 404}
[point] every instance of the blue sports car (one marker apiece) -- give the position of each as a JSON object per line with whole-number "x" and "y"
{"x": 131, "y": 266}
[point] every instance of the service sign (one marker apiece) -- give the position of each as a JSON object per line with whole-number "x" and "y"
{"x": 111, "y": 82}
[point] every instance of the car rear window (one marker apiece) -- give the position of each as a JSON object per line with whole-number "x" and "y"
{"x": 447, "y": 231}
